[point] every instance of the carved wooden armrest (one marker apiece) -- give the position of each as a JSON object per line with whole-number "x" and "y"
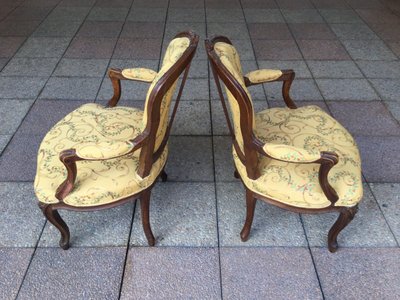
{"x": 266, "y": 75}
{"x": 90, "y": 152}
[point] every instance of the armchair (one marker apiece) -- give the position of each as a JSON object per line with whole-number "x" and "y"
{"x": 299, "y": 159}
{"x": 99, "y": 157}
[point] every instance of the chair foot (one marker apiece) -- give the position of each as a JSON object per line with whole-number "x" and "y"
{"x": 54, "y": 218}
{"x": 250, "y": 207}
{"x": 345, "y": 217}
{"x": 164, "y": 176}
{"x": 145, "y": 208}
{"x": 236, "y": 174}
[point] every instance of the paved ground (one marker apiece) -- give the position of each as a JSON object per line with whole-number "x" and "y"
{"x": 53, "y": 57}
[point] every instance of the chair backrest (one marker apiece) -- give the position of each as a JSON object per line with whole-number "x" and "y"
{"x": 225, "y": 64}
{"x": 156, "y": 121}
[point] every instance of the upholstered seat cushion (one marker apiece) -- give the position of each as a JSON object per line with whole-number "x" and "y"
{"x": 98, "y": 182}
{"x": 296, "y": 184}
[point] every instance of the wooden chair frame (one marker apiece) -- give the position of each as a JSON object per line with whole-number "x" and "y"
{"x": 145, "y": 141}
{"x": 252, "y": 147}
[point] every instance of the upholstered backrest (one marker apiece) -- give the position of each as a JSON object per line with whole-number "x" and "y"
{"x": 174, "y": 51}
{"x": 231, "y": 60}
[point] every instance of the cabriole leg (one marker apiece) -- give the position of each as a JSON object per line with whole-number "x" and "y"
{"x": 54, "y": 218}
{"x": 145, "y": 208}
{"x": 164, "y": 176}
{"x": 250, "y": 206}
{"x": 345, "y": 217}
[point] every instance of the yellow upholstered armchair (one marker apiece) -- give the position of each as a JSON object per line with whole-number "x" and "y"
{"x": 299, "y": 159}
{"x": 99, "y": 157}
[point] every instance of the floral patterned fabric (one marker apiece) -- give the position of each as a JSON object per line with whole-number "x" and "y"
{"x": 264, "y": 75}
{"x": 139, "y": 74}
{"x": 291, "y": 154}
{"x": 103, "y": 149}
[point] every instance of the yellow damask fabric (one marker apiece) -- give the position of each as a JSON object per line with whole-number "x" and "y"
{"x": 97, "y": 182}
{"x": 103, "y": 149}
{"x": 311, "y": 129}
{"x": 263, "y": 75}
{"x": 139, "y": 74}
{"x": 291, "y": 154}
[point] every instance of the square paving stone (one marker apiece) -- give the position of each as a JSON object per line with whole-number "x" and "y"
{"x": 149, "y": 30}
{"x": 276, "y": 50}
{"x": 320, "y": 104}
{"x": 104, "y": 228}
{"x": 18, "y": 160}
{"x": 4, "y": 139}
{"x": 299, "y": 66}
{"x": 301, "y": 89}
{"x": 196, "y": 89}
{"x": 299, "y": 4}
{"x": 384, "y": 16}
{"x": 30, "y": 67}
{"x": 57, "y": 28}
{"x": 259, "y": 273}
{"x": 224, "y": 165}
{"x": 223, "y": 4}
{"x": 186, "y": 4}
{"x": 198, "y": 69}
{"x": 21, "y": 221}
{"x": 380, "y": 158}
{"x": 172, "y": 29}
{"x": 21, "y": 87}
{"x": 302, "y": 16}
{"x": 69, "y": 13}
{"x": 108, "y": 14}
{"x": 388, "y": 89}
{"x": 323, "y": 50}
{"x": 388, "y": 196}
{"x": 358, "y": 31}
{"x": 190, "y": 159}
{"x": 114, "y": 3}
{"x": 9, "y": 45}
{"x": 334, "y": 69}
{"x": 23, "y": 13}
{"x": 143, "y": 14}
{"x": 130, "y": 90}
{"x": 259, "y": 4}
{"x": 368, "y": 50}
{"x": 195, "y": 205}
{"x": 272, "y": 226}
{"x": 43, "y": 47}
{"x": 365, "y": 118}
{"x": 12, "y": 112}
{"x": 77, "y": 3}
{"x": 137, "y": 48}
{"x": 359, "y": 273}
{"x": 134, "y": 63}
{"x": 100, "y": 29}
{"x": 232, "y": 30}
{"x": 386, "y": 32}
{"x": 18, "y": 28}
{"x": 340, "y": 16}
{"x": 186, "y": 15}
{"x": 225, "y": 15}
{"x": 44, "y": 114}
{"x": 263, "y": 15}
{"x": 74, "y": 88}
{"x": 394, "y": 108}
{"x": 376, "y": 4}
{"x": 346, "y": 89}
{"x": 310, "y": 31}
{"x": 91, "y": 273}
{"x": 256, "y": 91}
{"x": 368, "y": 229}
{"x": 14, "y": 263}
{"x": 81, "y": 67}
{"x": 192, "y": 118}
{"x": 150, "y": 4}
{"x": 176, "y": 273}
{"x": 330, "y": 4}
{"x": 269, "y": 31}
{"x": 84, "y": 47}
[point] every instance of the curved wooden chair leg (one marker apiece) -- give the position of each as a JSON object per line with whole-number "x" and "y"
{"x": 54, "y": 218}
{"x": 250, "y": 206}
{"x": 345, "y": 217}
{"x": 164, "y": 176}
{"x": 236, "y": 174}
{"x": 145, "y": 208}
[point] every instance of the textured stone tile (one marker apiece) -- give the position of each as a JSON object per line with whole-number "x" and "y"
{"x": 357, "y": 31}
{"x": 9, "y": 45}
{"x": 300, "y": 4}
{"x": 57, "y": 28}
{"x": 301, "y": 89}
{"x": 340, "y": 16}
{"x": 93, "y": 273}
{"x": 256, "y": 91}
{"x": 23, "y": 13}
{"x": 110, "y": 29}
{"x": 190, "y": 159}
{"x": 376, "y": 4}
{"x": 81, "y": 67}
{"x": 172, "y": 29}
{"x": 272, "y": 226}
{"x": 321, "y": 104}
{"x": 150, "y": 4}
{"x": 379, "y": 158}
{"x": 224, "y": 165}
{"x": 77, "y": 3}
{"x": 43, "y": 47}
{"x": 186, "y": 4}
{"x": 368, "y": 50}
{"x": 365, "y": 118}
{"x": 232, "y": 30}
{"x": 192, "y": 118}
{"x": 198, "y": 69}
{"x": 44, "y": 114}
{"x": 363, "y": 273}
{"x": 4, "y": 139}
{"x": 104, "y": 228}
{"x": 322, "y": 50}
{"x": 14, "y": 263}
{"x": 196, "y": 89}
{"x": 250, "y": 273}
{"x": 75, "y": 88}
{"x": 134, "y": 63}
{"x": 131, "y": 90}
{"x": 394, "y": 108}
{"x": 137, "y": 48}
{"x": 21, "y": 220}
{"x": 69, "y": 13}
{"x": 225, "y": 15}
{"x": 299, "y": 66}
{"x": 302, "y": 16}
{"x": 346, "y": 89}
{"x": 334, "y": 69}
{"x": 244, "y": 48}
{"x": 276, "y": 50}
{"x": 21, "y": 87}
{"x": 387, "y": 196}
{"x": 168, "y": 268}
{"x": 30, "y": 67}
{"x": 310, "y": 31}
{"x": 143, "y": 14}
{"x": 386, "y": 32}
{"x": 12, "y": 112}
{"x": 223, "y": 4}
{"x": 114, "y": 3}
{"x": 263, "y": 16}
{"x": 330, "y": 4}
{"x": 150, "y": 30}
{"x": 368, "y": 229}
{"x": 84, "y": 47}
{"x": 388, "y": 89}
{"x": 18, "y": 28}
{"x": 108, "y": 14}
{"x": 269, "y": 31}
{"x": 186, "y": 15}
{"x": 195, "y": 205}
{"x": 379, "y": 16}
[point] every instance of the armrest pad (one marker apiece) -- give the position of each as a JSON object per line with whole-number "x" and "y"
{"x": 291, "y": 153}
{"x": 264, "y": 75}
{"x": 139, "y": 74}
{"x": 103, "y": 150}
